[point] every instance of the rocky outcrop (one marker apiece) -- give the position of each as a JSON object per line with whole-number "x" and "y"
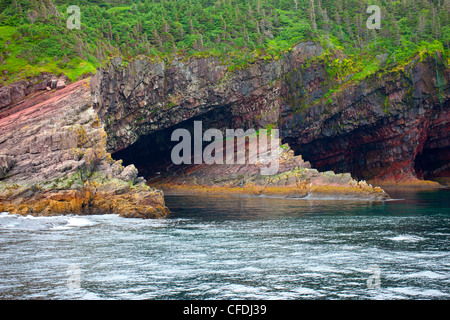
{"x": 53, "y": 160}
{"x": 390, "y": 127}
{"x": 144, "y": 96}
{"x": 295, "y": 179}
{"x": 15, "y": 92}
{"x": 6, "y": 164}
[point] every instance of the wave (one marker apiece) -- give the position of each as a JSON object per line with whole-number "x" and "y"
{"x": 42, "y": 223}
{"x": 74, "y": 222}
{"x": 407, "y": 238}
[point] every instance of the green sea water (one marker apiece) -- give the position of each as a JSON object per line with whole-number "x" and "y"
{"x": 223, "y": 247}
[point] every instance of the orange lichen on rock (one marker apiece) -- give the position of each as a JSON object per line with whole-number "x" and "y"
{"x": 141, "y": 202}
{"x": 295, "y": 179}
{"x": 290, "y": 191}
{"x": 408, "y": 183}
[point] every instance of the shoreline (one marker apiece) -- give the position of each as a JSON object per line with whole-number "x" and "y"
{"x": 410, "y": 185}
{"x": 287, "y": 192}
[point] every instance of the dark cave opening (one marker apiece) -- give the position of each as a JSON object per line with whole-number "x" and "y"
{"x": 337, "y": 154}
{"x": 359, "y": 153}
{"x": 433, "y": 163}
{"x": 365, "y": 160}
{"x": 151, "y": 154}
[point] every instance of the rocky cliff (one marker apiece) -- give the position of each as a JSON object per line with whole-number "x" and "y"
{"x": 58, "y": 143}
{"x": 390, "y": 127}
{"x": 53, "y": 160}
{"x": 144, "y": 97}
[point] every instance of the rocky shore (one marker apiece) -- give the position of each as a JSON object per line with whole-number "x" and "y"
{"x": 392, "y": 127}
{"x": 53, "y": 160}
{"x": 81, "y": 148}
{"x": 295, "y": 179}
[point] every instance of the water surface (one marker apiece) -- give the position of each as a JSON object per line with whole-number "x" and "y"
{"x": 216, "y": 247}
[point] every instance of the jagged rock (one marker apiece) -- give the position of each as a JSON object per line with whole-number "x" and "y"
{"x": 129, "y": 173}
{"x": 15, "y": 92}
{"x": 6, "y": 163}
{"x": 53, "y": 83}
{"x": 53, "y": 160}
{"x": 295, "y": 179}
{"x": 390, "y": 126}
{"x": 60, "y": 84}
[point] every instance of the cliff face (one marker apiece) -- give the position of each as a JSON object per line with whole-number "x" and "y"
{"x": 145, "y": 97}
{"x": 392, "y": 127}
{"x": 56, "y": 141}
{"x": 53, "y": 160}
{"x": 389, "y": 127}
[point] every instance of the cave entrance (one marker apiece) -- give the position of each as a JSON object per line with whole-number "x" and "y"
{"x": 340, "y": 154}
{"x": 151, "y": 154}
{"x": 433, "y": 163}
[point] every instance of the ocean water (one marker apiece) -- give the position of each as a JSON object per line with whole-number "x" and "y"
{"x": 215, "y": 247}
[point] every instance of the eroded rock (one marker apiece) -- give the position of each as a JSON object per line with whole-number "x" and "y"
{"x": 295, "y": 179}
{"x": 53, "y": 160}
{"x": 392, "y": 126}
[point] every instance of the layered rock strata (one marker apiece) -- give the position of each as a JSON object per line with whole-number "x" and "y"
{"x": 295, "y": 179}
{"x": 56, "y": 145}
{"x": 53, "y": 160}
{"x": 390, "y": 127}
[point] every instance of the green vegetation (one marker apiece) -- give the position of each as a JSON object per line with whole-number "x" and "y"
{"x": 34, "y": 36}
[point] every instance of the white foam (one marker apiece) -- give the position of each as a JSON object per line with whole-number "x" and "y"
{"x": 242, "y": 289}
{"x": 327, "y": 269}
{"x": 79, "y": 222}
{"x": 74, "y": 222}
{"x": 411, "y": 291}
{"x": 60, "y": 228}
{"x": 407, "y": 238}
{"x": 251, "y": 269}
{"x": 306, "y": 291}
{"x": 426, "y": 274}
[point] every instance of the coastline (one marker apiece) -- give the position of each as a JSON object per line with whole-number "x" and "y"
{"x": 287, "y": 192}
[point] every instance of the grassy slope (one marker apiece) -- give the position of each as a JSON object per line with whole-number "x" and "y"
{"x": 34, "y": 37}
